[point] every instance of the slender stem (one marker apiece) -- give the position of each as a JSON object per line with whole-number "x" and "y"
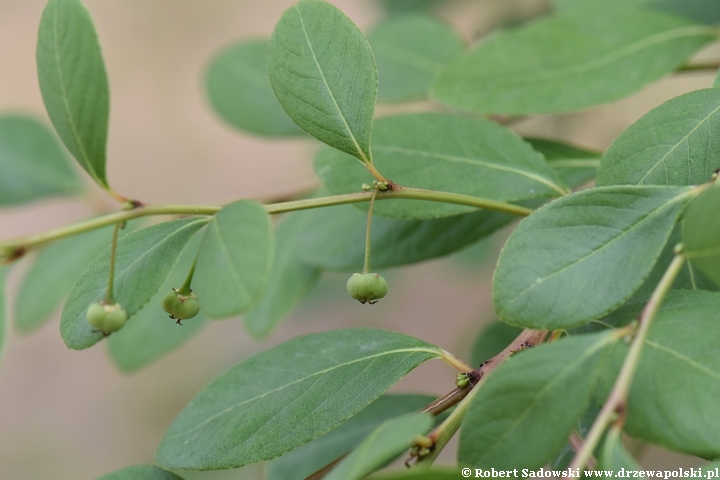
{"x": 615, "y": 404}
{"x": 455, "y": 362}
{"x": 185, "y": 289}
{"x": 690, "y": 67}
{"x": 109, "y": 295}
{"x": 14, "y": 248}
{"x": 366, "y": 265}
{"x": 374, "y": 172}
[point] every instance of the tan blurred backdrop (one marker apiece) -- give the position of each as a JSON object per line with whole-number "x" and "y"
{"x": 73, "y": 415}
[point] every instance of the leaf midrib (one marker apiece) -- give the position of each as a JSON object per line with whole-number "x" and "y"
{"x": 684, "y": 358}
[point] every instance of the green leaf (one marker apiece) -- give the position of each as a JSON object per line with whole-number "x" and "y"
{"x": 239, "y": 90}
{"x": 525, "y": 411}
{"x": 410, "y": 51}
{"x": 700, "y": 11}
{"x": 418, "y": 474}
{"x": 674, "y": 144}
{"x": 575, "y": 166}
{"x": 384, "y": 444}
{"x": 402, "y": 6}
{"x": 141, "y": 472}
{"x": 323, "y": 72}
{"x": 290, "y": 280}
{"x": 491, "y": 341}
{"x": 701, "y": 233}
{"x": 3, "y": 310}
{"x": 673, "y": 398}
{"x": 246, "y": 416}
{"x": 144, "y": 259}
{"x": 74, "y": 84}
{"x": 582, "y": 256}
{"x": 33, "y": 164}
{"x": 614, "y": 457}
{"x": 311, "y": 457}
{"x": 235, "y": 259}
{"x": 52, "y": 275}
{"x": 574, "y": 59}
{"x": 450, "y": 153}
{"x": 716, "y": 82}
{"x": 152, "y": 334}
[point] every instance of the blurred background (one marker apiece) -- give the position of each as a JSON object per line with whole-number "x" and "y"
{"x": 74, "y": 415}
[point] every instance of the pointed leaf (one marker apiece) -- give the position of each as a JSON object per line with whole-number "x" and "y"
{"x": 73, "y": 83}
{"x": 311, "y": 457}
{"x": 673, "y": 398}
{"x": 141, "y": 472}
{"x": 323, "y": 72}
{"x": 583, "y": 255}
{"x": 450, "y": 153}
{"x": 528, "y": 407}
{"x": 239, "y": 90}
{"x": 235, "y": 259}
{"x": 576, "y": 166}
{"x": 33, "y": 164}
{"x": 574, "y": 59}
{"x": 152, "y": 334}
{"x": 290, "y": 280}
{"x": 410, "y": 51}
{"x": 246, "y": 416}
{"x": 701, "y": 233}
{"x": 384, "y": 444}
{"x": 52, "y": 275}
{"x": 674, "y": 144}
{"x": 144, "y": 259}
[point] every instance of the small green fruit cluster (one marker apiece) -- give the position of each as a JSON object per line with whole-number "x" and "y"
{"x": 107, "y": 318}
{"x": 181, "y": 307}
{"x": 367, "y": 287}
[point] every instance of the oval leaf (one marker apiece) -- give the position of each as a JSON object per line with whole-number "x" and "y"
{"x": 583, "y": 255}
{"x": 323, "y": 72}
{"x": 410, "y": 51}
{"x": 674, "y": 144}
{"x": 235, "y": 259}
{"x": 52, "y": 275}
{"x": 244, "y": 415}
{"x": 144, "y": 259}
{"x": 450, "y": 153}
{"x": 701, "y": 233}
{"x": 290, "y": 280}
{"x": 32, "y": 163}
{"x": 141, "y": 472}
{"x": 239, "y": 90}
{"x": 673, "y": 398}
{"x": 576, "y": 58}
{"x": 384, "y": 444}
{"x": 74, "y": 84}
{"x": 311, "y": 457}
{"x": 525, "y": 411}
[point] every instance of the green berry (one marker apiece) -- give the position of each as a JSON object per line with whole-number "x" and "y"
{"x": 181, "y": 307}
{"x": 107, "y": 318}
{"x": 367, "y": 287}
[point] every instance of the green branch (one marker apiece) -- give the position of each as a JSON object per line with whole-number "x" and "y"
{"x": 15, "y": 248}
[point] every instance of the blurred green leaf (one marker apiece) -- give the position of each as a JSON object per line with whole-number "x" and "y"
{"x": 450, "y": 153}
{"x": 244, "y": 416}
{"x": 290, "y": 280}
{"x": 141, "y": 472}
{"x": 74, "y": 84}
{"x": 311, "y": 457}
{"x": 144, "y": 259}
{"x": 614, "y": 457}
{"x": 388, "y": 441}
{"x": 53, "y": 273}
{"x": 401, "y": 6}
{"x": 576, "y": 166}
{"x": 574, "y": 59}
{"x": 492, "y": 340}
{"x": 701, "y": 11}
{"x": 238, "y": 87}
{"x": 583, "y": 255}
{"x": 701, "y": 233}
{"x": 152, "y": 334}
{"x": 674, "y": 144}
{"x": 417, "y": 474}
{"x": 33, "y": 164}
{"x": 410, "y": 51}
{"x": 323, "y": 72}
{"x": 235, "y": 259}
{"x": 528, "y": 407}
{"x": 716, "y": 82}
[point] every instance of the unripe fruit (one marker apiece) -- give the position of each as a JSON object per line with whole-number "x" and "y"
{"x": 367, "y": 287}
{"x": 181, "y": 307}
{"x": 106, "y": 318}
